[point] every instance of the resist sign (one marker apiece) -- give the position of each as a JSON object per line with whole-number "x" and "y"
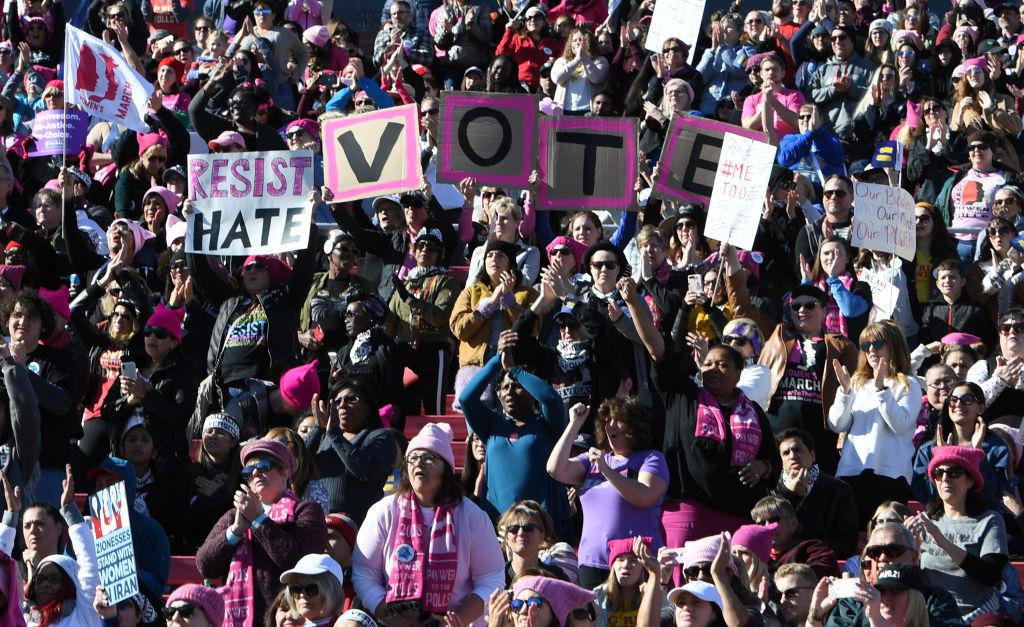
{"x": 883, "y": 220}
{"x": 249, "y": 202}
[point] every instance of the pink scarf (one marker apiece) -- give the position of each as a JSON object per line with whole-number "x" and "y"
{"x": 835, "y": 322}
{"x": 743, "y": 423}
{"x": 238, "y": 588}
{"x": 422, "y": 573}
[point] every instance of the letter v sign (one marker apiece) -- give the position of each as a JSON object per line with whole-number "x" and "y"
{"x": 370, "y": 172}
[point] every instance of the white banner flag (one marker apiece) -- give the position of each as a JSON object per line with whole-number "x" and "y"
{"x": 98, "y": 79}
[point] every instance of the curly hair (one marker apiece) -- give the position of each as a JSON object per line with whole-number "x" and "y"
{"x": 630, "y": 411}
{"x": 36, "y": 305}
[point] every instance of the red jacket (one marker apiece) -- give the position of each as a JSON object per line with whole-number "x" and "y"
{"x": 529, "y": 55}
{"x": 815, "y": 553}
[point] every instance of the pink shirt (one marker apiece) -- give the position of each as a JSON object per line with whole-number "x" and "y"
{"x": 792, "y": 99}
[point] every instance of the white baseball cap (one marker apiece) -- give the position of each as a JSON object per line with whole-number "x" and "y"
{"x": 314, "y": 564}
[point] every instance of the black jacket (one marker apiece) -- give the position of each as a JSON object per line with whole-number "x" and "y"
{"x": 963, "y": 316}
{"x": 828, "y": 512}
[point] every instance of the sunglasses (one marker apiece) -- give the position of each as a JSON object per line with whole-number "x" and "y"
{"x": 998, "y": 230}
{"x": 754, "y": 21}
{"x": 790, "y": 593}
{"x": 492, "y": 194}
{"x": 966, "y": 399}
{"x": 527, "y": 528}
{"x": 881, "y": 521}
{"x": 203, "y": 28}
{"x": 262, "y": 465}
{"x": 604, "y": 265}
{"x": 893, "y": 550}
{"x": 978, "y": 146}
{"x": 161, "y": 334}
{"x": 905, "y": 54}
{"x": 310, "y": 590}
{"x": 295, "y": 134}
{"x": 517, "y": 605}
{"x": 186, "y": 610}
{"x": 671, "y": 50}
{"x": 797, "y": 305}
{"x": 261, "y": 11}
{"x": 1011, "y": 328}
{"x": 934, "y": 109}
{"x": 158, "y": 158}
{"x": 430, "y": 112}
{"x": 948, "y": 472}
{"x": 686, "y": 224}
{"x": 695, "y": 571}
{"x": 430, "y": 247}
{"x": 568, "y": 324}
{"x": 875, "y": 345}
{"x": 182, "y": 51}
{"x": 558, "y": 252}
{"x": 923, "y": 218}
{"x": 805, "y": 116}
{"x": 115, "y": 16}
{"x": 362, "y": 102}
{"x": 583, "y": 613}
{"x": 735, "y": 340}
{"x": 837, "y": 193}
{"x": 840, "y": 37}
{"x": 348, "y": 399}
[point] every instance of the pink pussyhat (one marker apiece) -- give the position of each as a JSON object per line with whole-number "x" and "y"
{"x": 169, "y": 320}
{"x": 299, "y": 384}
{"x": 59, "y": 300}
{"x": 435, "y": 437}
{"x": 757, "y": 539}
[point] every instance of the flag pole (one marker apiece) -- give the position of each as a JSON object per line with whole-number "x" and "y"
{"x": 63, "y": 149}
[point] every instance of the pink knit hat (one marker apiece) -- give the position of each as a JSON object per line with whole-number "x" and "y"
{"x": 757, "y": 539}
{"x": 148, "y": 140}
{"x": 169, "y": 320}
{"x": 703, "y": 551}
{"x": 139, "y": 235}
{"x": 174, "y": 228}
{"x": 970, "y": 31}
{"x": 963, "y": 339}
{"x": 622, "y": 546}
{"x": 270, "y": 448}
{"x": 435, "y": 437}
{"x": 208, "y": 600}
{"x": 578, "y": 248}
{"x": 562, "y": 596}
{"x": 13, "y": 274}
{"x": 299, "y": 384}
{"x": 316, "y": 35}
{"x": 279, "y": 270}
{"x": 981, "y": 62}
{"x": 307, "y": 125}
{"x": 170, "y": 199}
{"x": 967, "y": 457}
{"x": 1015, "y": 436}
{"x": 59, "y": 299}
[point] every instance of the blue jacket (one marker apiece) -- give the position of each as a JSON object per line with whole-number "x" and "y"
{"x": 994, "y": 469}
{"x": 795, "y": 153}
{"x": 152, "y": 550}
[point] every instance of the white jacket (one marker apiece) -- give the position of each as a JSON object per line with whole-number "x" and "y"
{"x": 756, "y": 383}
{"x": 879, "y": 427}
{"x": 85, "y": 573}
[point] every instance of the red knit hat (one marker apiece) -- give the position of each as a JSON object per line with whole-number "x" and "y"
{"x": 967, "y": 457}
{"x": 343, "y": 524}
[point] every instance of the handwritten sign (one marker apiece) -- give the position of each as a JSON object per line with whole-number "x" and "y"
{"x": 884, "y": 295}
{"x": 249, "y": 202}
{"x": 883, "y": 220}
{"x": 56, "y": 132}
{"x": 675, "y": 18}
{"x": 741, "y": 179}
{"x": 115, "y": 553}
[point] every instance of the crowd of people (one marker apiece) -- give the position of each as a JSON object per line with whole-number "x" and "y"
{"x": 456, "y": 408}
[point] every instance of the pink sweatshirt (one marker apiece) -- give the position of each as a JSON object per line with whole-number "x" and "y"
{"x": 481, "y": 568}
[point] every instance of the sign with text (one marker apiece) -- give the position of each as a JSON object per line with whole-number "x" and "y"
{"x": 56, "y": 132}
{"x": 115, "y": 553}
{"x": 738, "y": 196}
{"x": 491, "y": 137}
{"x": 675, "y": 18}
{"x": 689, "y": 158}
{"x": 372, "y": 154}
{"x": 883, "y": 220}
{"x": 587, "y": 163}
{"x": 884, "y": 294}
{"x": 249, "y": 203}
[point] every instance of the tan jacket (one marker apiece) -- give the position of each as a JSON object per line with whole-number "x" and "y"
{"x": 776, "y": 351}
{"x": 472, "y": 329}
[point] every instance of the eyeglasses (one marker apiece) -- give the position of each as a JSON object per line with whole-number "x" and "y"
{"x": 1011, "y": 328}
{"x": 262, "y": 465}
{"x": 258, "y": 12}
{"x": 161, "y": 334}
{"x": 837, "y": 193}
{"x": 695, "y": 571}
{"x": 604, "y": 265}
{"x": 948, "y": 472}
{"x": 348, "y": 399}
{"x": 535, "y": 16}
{"x": 978, "y": 146}
{"x": 790, "y": 593}
{"x": 998, "y": 230}
{"x": 423, "y": 459}
{"x": 755, "y": 20}
{"x": 965, "y": 399}
{"x": 310, "y": 590}
{"x": 517, "y": 605}
{"x": 736, "y": 340}
{"x": 892, "y": 550}
{"x": 941, "y": 383}
{"x": 797, "y": 305}
{"x": 527, "y": 528}
{"x": 924, "y": 217}
{"x": 881, "y": 521}
{"x": 53, "y": 579}
{"x": 185, "y": 610}
{"x": 874, "y": 345}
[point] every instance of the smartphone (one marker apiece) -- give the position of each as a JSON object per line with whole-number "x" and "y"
{"x": 843, "y": 589}
{"x": 695, "y": 283}
{"x": 128, "y": 369}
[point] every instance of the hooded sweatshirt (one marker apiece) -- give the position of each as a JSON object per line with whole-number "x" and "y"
{"x": 152, "y": 549}
{"x": 84, "y": 572}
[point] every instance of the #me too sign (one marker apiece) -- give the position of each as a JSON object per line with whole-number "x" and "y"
{"x": 249, "y": 203}
{"x": 115, "y": 552}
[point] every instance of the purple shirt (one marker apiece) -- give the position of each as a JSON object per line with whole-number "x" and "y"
{"x": 609, "y": 516}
